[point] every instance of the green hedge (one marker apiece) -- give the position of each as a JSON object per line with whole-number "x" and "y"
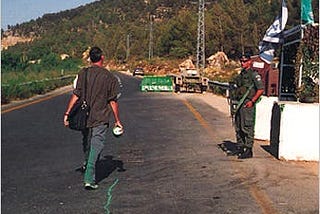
{"x": 11, "y": 92}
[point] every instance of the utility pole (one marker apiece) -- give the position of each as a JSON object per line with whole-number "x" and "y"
{"x": 128, "y": 47}
{"x": 201, "y": 38}
{"x": 151, "y": 17}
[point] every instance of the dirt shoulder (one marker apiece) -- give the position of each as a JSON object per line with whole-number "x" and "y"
{"x": 221, "y": 104}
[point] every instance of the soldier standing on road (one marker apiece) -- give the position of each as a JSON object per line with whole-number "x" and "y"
{"x": 102, "y": 93}
{"x": 249, "y": 88}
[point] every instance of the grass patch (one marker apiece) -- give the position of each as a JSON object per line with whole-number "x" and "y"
{"x": 22, "y": 85}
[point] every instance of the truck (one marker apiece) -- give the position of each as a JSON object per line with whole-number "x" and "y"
{"x": 190, "y": 80}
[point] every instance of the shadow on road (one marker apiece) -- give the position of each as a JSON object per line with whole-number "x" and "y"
{"x": 106, "y": 166}
{"x": 228, "y": 147}
{"x": 273, "y": 148}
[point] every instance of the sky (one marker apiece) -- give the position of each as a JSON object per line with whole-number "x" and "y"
{"x": 18, "y": 11}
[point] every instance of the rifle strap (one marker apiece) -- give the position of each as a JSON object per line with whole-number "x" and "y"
{"x": 244, "y": 97}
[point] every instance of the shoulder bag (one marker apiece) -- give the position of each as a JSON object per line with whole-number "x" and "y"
{"x": 79, "y": 112}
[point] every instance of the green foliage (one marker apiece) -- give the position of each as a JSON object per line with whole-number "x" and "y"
{"x": 21, "y": 85}
{"x": 23, "y": 91}
{"x": 35, "y": 59}
{"x": 308, "y": 62}
{"x": 231, "y": 26}
{"x": 11, "y": 61}
{"x": 178, "y": 38}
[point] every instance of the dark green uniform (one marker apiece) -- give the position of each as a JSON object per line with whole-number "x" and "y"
{"x": 244, "y": 117}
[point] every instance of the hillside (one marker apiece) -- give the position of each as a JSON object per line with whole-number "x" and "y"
{"x": 127, "y": 30}
{"x": 8, "y": 41}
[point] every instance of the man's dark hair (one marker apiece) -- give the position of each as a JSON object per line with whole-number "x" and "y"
{"x": 95, "y": 54}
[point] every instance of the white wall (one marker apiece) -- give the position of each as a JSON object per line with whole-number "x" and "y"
{"x": 299, "y": 128}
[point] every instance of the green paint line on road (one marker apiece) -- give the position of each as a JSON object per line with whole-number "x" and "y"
{"x": 109, "y": 195}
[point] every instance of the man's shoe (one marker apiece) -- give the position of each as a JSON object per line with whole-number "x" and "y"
{"x": 90, "y": 186}
{"x": 246, "y": 154}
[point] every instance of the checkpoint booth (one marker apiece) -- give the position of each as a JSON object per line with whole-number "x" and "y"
{"x": 269, "y": 74}
{"x": 291, "y": 127}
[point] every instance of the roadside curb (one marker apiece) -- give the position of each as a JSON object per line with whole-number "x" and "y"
{"x": 37, "y": 98}
{"x": 15, "y": 104}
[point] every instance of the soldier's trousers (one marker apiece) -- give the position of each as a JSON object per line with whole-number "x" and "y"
{"x": 244, "y": 126}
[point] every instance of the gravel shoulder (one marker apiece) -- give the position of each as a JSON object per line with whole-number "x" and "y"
{"x": 220, "y": 103}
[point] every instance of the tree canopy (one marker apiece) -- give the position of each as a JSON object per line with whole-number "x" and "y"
{"x": 230, "y": 26}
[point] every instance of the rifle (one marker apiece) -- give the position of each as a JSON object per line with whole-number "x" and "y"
{"x": 233, "y": 101}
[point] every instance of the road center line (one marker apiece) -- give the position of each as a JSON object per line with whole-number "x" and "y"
{"x": 199, "y": 117}
{"x": 259, "y": 195}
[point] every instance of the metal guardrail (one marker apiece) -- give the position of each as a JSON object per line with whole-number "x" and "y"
{"x": 223, "y": 85}
{"x": 43, "y": 80}
{"x": 212, "y": 83}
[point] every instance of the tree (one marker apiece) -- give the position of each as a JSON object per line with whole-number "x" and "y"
{"x": 179, "y": 36}
{"x": 231, "y": 26}
{"x": 217, "y": 22}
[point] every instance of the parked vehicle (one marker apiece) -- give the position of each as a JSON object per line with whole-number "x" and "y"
{"x": 138, "y": 71}
{"x": 190, "y": 80}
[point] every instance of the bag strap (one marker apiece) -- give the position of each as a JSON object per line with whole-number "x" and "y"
{"x": 93, "y": 83}
{"x": 85, "y": 84}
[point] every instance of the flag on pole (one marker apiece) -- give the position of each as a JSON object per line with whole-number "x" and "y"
{"x": 267, "y": 50}
{"x": 306, "y": 12}
{"x": 271, "y": 38}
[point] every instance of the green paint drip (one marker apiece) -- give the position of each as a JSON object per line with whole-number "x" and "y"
{"x": 109, "y": 195}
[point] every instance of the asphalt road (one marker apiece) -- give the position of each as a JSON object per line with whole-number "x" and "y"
{"x": 168, "y": 161}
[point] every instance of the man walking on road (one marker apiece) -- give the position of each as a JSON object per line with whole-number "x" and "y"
{"x": 101, "y": 96}
{"x": 249, "y": 89}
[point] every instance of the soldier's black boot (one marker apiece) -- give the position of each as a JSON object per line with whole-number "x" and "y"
{"x": 247, "y": 153}
{"x": 236, "y": 152}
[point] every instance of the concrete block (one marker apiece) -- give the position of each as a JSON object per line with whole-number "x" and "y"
{"x": 263, "y": 117}
{"x": 299, "y": 131}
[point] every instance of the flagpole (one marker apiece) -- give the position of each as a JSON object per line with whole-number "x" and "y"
{"x": 301, "y": 12}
